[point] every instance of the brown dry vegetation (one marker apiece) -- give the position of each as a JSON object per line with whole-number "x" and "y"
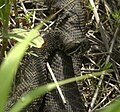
{"x": 103, "y": 32}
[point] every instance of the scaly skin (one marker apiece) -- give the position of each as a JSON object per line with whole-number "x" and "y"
{"x": 66, "y": 37}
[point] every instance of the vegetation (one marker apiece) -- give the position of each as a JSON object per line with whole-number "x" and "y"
{"x": 103, "y": 19}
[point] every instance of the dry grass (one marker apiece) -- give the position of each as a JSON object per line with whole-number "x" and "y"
{"x": 103, "y": 19}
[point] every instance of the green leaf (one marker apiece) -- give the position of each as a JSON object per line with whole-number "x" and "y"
{"x": 25, "y": 100}
{"x": 10, "y": 66}
{"x": 20, "y": 34}
{"x": 113, "y": 107}
{"x": 27, "y": 16}
{"x": 5, "y": 12}
{"x": 107, "y": 66}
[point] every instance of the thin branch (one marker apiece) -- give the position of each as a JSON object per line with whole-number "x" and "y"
{"x": 57, "y": 85}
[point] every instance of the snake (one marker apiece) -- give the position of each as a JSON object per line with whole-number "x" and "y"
{"x": 62, "y": 47}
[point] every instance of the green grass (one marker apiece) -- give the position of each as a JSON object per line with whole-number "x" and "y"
{"x": 11, "y": 63}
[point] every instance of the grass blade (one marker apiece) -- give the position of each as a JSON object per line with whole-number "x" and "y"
{"x": 10, "y": 66}
{"x": 25, "y": 100}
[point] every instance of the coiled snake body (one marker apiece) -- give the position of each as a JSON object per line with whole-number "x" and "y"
{"x": 67, "y": 37}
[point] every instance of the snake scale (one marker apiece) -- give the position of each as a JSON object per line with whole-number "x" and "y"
{"x": 62, "y": 47}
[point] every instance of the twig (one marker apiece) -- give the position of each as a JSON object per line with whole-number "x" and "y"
{"x": 102, "y": 100}
{"x": 24, "y": 9}
{"x": 110, "y": 84}
{"x": 47, "y": 27}
{"x": 33, "y": 20}
{"x": 111, "y": 48}
{"x": 95, "y": 11}
{"x": 116, "y": 73}
{"x": 112, "y": 44}
{"x": 57, "y": 85}
{"x": 100, "y": 82}
{"x": 90, "y": 34}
